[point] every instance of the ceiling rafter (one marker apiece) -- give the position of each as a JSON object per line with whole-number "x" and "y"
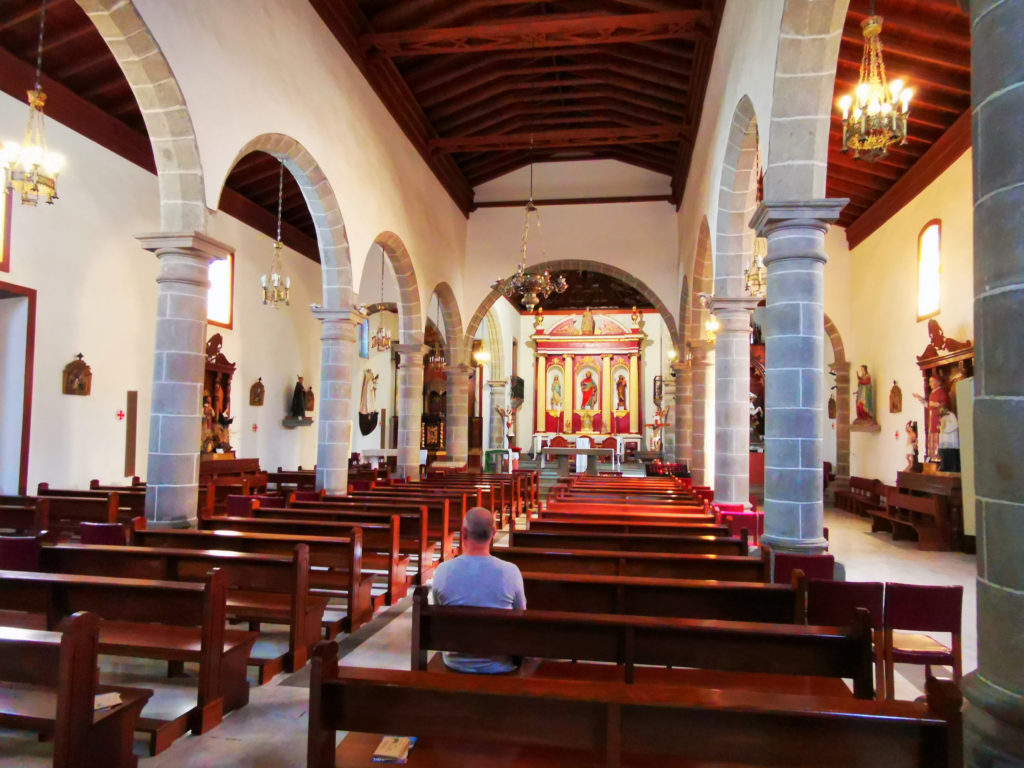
{"x": 582, "y": 137}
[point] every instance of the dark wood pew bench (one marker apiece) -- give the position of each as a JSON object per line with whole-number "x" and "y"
{"x": 131, "y": 502}
{"x": 472, "y": 720}
{"x": 924, "y": 518}
{"x": 48, "y": 685}
{"x": 611, "y": 525}
{"x": 645, "y": 564}
{"x": 261, "y": 588}
{"x": 25, "y": 519}
{"x": 862, "y": 497}
{"x": 67, "y": 513}
{"x": 335, "y": 562}
{"x": 440, "y": 506}
{"x": 177, "y": 622}
{"x": 639, "y": 513}
{"x": 792, "y": 658}
{"x": 380, "y": 541}
{"x": 632, "y": 542}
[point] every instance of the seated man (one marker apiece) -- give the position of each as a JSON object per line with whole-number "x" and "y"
{"x": 476, "y": 578}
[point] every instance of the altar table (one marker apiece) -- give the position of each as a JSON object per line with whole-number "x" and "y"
{"x": 592, "y": 455}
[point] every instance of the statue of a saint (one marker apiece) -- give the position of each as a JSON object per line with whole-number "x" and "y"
{"x": 508, "y": 417}
{"x": 913, "y": 464}
{"x": 620, "y": 392}
{"x": 587, "y": 324}
{"x": 310, "y": 401}
{"x": 208, "y": 441}
{"x": 556, "y": 393}
{"x": 368, "y": 414}
{"x": 865, "y": 398}
{"x": 895, "y": 398}
{"x": 588, "y": 391}
{"x": 938, "y": 398}
{"x": 218, "y": 398}
{"x": 298, "y": 407}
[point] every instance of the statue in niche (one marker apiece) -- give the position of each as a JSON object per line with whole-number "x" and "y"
{"x": 938, "y": 343}
{"x": 937, "y": 400}
{"x": 756, "y": 420}
{"x": 257, "y": 392}
{"x": 556, "y": 393}
{"x": 508, "y": 417}
{"x": 310, "y": 401}
{"x": 587, "y": 324}
{"x": 620, "y": 392}
{"x": 298, "y": 407}
{"x": 209, "y": 440}
{"x": 895, "y": 398}
{"x": 865, "y": 398}
{"x": 218, "y": 398}
{"x": 949, "y": 441}
{"x": 77, "y": 377}
{"x": 588, "y": 392}
{"x": 913, "y": 463}
{"x": 368, "y": 413}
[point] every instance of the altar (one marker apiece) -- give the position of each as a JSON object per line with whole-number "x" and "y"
{"x": 591, "y": 454}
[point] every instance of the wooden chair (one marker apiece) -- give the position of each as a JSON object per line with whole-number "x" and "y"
{"x": 113, "y": 534}
{"x": 813, "y": 566}
{"x": 19, "y": 553}
{"x": 921, "y": 608}
{"x": 835, "y": 603}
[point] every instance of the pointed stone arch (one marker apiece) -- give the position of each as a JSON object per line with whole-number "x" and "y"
{"x": 454, "y": 348}
{"x": 495, "y": 345}
{"x": 737, "y": 193}
{"x": 410, "y": 314}
{"x": 842, "y": 368}
{"x": 702, "y": 274}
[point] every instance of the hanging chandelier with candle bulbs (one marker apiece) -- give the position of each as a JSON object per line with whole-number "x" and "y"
{"x": 756, "y": 275}
{"x": 530, "y": 286}
{"x": 875, "y": 115}
{"x": 276, "y": 285}
{"x": 30, "y": 168}
{"x": 381, "y": 339}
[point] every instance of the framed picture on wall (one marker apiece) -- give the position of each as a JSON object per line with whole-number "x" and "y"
{"x": 364, "y": 339}
{"x": 6, "y": 203}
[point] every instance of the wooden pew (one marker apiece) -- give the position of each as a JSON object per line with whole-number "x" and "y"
{"x": 337, "y": 560}
{"x": 643, "y": 564}
{"x": 862, "y": 497}
{"x": 135, "y": 485}
{"x": 25, "y": 519}
{"x": 472, "y": 720}
{"x": 924, "y": 518}
{"x": 633, "y": 542}
{"x": 131, "y": 502}
{"x": 623, "y": 512}
{"x": 48, "y": 684}
{"x": 380, "y": 542}
{"x": 146, "y": 619}
{"x": 303, "y": 481}
{"x": 628, "y": 641}
{"x": 67, "y": 513}
{"x": 261, "y": 587}
{"x": 670, "y": 598}
{"x": 569, "y": 525}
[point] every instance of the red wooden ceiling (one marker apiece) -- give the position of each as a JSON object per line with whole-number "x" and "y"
{"x": 474, "y": 83}
{"x": 927, "y": 43}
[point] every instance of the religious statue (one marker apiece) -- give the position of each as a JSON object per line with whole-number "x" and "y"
{"x": 949, "y": 441}
{"x": 588, "y": 391}
{"x": 256, "y": 393}
{"x": 832, "y": 406}
{"x": 938, "y": 399}
{"x": 620, "y": 393}
{"x": 756, "y": 420}
{"x": 556, "y": 393}
{"x": 660, "y": 421}
{"x": 538, "y": 319}
{"x": 634, "y": 316}
{"x": 310, "y": 401}
{"x": 368, "y": 403}
{"x": 77, "y": 377}
{"x": 218, "y": 398}
{"x": 937, "y": 342}
{"x": 298, "y": 407}
{"x": 865, "y": 398}
{"x": 895, "y": 398}
{"x": 587, "y": 324}
{"x": 508, "y": 416}
{"x": 208, "y": 440}
{"x": 913, "y": 463}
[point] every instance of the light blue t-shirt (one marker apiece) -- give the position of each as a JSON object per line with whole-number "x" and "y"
{"x": 479, "y": 582}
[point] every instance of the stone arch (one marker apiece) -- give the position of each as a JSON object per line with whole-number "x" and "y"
{"x": 736, "y": 202}
{"x": 702, "y": 272}
{"x": 168, "y": 123}
{"x": 495, "y": 345}
{"x": 842, "y": 369}
{"x": 331, "y": 238}
{"x": 591, "y": 266}
{"x": 454, "y": 347}
{"x": 410, "y": 315}
{"x": 805, "y": 75}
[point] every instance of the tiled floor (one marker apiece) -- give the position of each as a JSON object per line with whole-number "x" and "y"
{"x": 271, "y": 731}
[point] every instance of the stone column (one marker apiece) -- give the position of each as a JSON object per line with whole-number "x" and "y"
{"x": 457, "y": 418}
{"x": 175, "y": 416}
{"x": 795, "y": 362}
{"x": 732, "y": 399}
{"x": 994, "y": 716}
{"x": 698, "y": 386}
{"x": 410, "y": 407}
{"x": 338, "y": 329}
{"x": 683, "y": 411}
{"x": 497, "y": 390}
{"x": 668, "y": 432}
{"x": 842, "y": 468}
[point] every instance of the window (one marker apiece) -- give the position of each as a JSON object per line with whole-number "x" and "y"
{"x": 220, "y": 301}
{"x": 929, "y": 256}
{"x": 364, "y": 339}
{"x": 6, "y": 201}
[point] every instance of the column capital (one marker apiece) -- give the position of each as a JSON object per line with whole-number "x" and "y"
{"x": 192, "y": 243}
{"x": 678, "y": 366}
{"x": 496, "y": 383}
{"x": 458, "y": 369}
{"x": 722, "y": 306}
{"x": 840, "y": 366}
{"x": 812, "y": 214}
{"x": 410, "y": 353}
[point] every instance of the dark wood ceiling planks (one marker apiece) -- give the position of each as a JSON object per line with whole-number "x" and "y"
{"x": 473, "y": 83}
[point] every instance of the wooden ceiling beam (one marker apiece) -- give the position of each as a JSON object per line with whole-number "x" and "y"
{"x": 918, "y": 78}
{"x": 885, "y": 168}
{"x": 535, "y": 32}
{"x": 575, "y": 201}
{"x": 262, "y": 220}
{"x": 601, "y": 106}
{"x": 517, "y": 90}
{"x": 909, "y": 48}
{"x": 83, "y": 64}
{"x": 940, "y": 102}
{"x": 493, "y": 171}
{"x": 566, "y": 138}
{"x": 29, "y": 13}
{"x": 639, "y": 162}
{"x": 423, "y": 13}
{"x": 955, "y": 26}
{"x": 526, "y": 124}
{"x": 866, "y": 179}
{"x": 52, "y": 41}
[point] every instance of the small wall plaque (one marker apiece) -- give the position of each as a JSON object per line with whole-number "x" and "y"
{"x": 77, "y": 377}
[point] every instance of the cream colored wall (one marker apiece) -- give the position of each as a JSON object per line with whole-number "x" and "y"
{"x": 885, "y": 333}
{"x": 97, "y": 295}
{"x": 604, "y": 178}
{"x": 277, "y": 68}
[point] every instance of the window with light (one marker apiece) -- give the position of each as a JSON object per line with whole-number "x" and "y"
{"x": 220, "y": 299}
{"x": 929, "y": 258}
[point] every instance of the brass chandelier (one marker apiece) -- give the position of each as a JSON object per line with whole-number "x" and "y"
{"x": 756, "y": 275}
{"x": 875, "y": 115}
{"x": 531, "y": 286}
{"x": 31, "y": 169}
{"x": 381, "y": 340}
{"x": 276, "y": 285}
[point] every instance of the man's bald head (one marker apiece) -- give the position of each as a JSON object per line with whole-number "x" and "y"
{"x": 479, "y": 525}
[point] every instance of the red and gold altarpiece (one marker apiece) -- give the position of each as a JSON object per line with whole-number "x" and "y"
{"x": 588, "y": 375}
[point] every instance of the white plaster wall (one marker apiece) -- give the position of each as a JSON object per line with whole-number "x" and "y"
{"x": 885, "y": 334}
{"x": 604, "y": 178}
{"x": 288, "y": 74}
{"x": 13, "y": 324}
{"x": 637, "y": 237}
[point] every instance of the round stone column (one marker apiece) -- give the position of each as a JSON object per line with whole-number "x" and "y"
{"x": 410, "y": 407}
{"x": 668, "y": 432}
{"x": 732, "y": 399}
{"x": 994, "y": 716}
{"x": 683, "y": 411}
{"x": 175, "y": 416}
{"x": 698, "y": 387}
{"x": 338, "y": 329}
{"x": 795, "y": 361}
{"x": 457, "y": 418}
{"x": 495, "y": 419}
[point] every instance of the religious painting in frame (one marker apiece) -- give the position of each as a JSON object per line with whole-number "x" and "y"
{"x": 6, "y": 208}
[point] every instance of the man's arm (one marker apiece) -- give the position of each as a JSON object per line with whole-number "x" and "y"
{"x": 519, "y": 591}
